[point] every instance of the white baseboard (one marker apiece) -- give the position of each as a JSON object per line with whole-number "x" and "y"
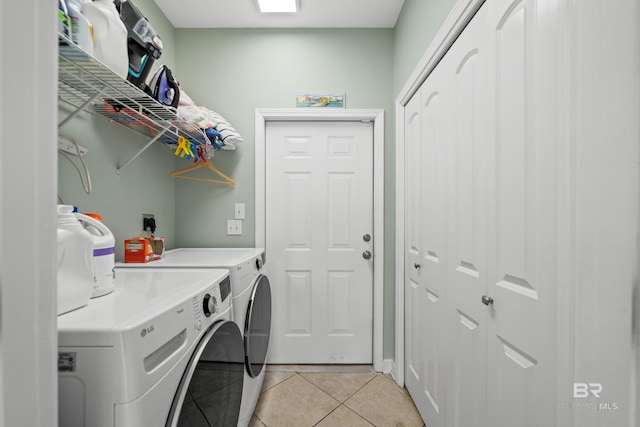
{"x": 389, "y": 367}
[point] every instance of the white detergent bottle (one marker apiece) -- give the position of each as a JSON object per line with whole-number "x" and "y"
{"x": 103, "y": 255}
{"x": 75, "y": 262}
{"x": 109, "y": 35}
{"x": 81, "y": 28}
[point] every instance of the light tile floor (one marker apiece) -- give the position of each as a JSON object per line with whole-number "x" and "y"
{"x": 327, "y": 396}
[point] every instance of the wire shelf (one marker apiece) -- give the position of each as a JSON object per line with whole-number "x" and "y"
{"x": 88, "y": 85}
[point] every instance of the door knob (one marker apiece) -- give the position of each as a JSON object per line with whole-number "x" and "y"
{"x": 416, "y": 266}
{"x": 366, "y": 237}
{"x": 486, "y": 300}
{"x": 366, "y": 255}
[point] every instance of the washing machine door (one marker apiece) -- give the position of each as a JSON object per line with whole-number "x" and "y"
{"x": 257, "y": 326}
{"x": 210, "y": 391}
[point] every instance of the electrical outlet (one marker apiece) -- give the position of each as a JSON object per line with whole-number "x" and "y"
{"x": 239, "y": 210}
{"x": 234, "y": 227}
{"x": 146, "y": 223}
{"x": 66, "y": 145}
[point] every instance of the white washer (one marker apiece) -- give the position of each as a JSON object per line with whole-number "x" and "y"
{"x": 161, "y": 350}
{"x": 251, "y": 293}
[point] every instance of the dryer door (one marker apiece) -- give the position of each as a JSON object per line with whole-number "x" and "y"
{"x": 257, "y": 326}
{"x": 210, "y": 391}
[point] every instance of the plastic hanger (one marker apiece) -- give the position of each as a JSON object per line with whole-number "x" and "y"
{"x": 201, "y": 164}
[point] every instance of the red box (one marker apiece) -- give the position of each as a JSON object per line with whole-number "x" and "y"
{"x": 142, "y": 250}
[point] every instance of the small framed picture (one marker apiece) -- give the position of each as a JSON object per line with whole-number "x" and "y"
{"x": 320, "y": 100}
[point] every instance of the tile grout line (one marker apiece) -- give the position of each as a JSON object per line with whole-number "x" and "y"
{"x": 331, "y": 412}
{"x": 341, "y": 403}
{"x": 356, "y": 392}
{"x": 356, "y": 412}
{"x": 279, "y": 382}
{"x": 272, "y": 388}
{"x": 376, "y": 374}
{"x": 322, "y": 391}
{"x": 348, "y": 409}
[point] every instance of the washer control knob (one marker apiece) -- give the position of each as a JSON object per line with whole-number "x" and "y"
{"x": 209, "y": 305}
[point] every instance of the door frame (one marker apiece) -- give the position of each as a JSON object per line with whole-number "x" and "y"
{"x": 28, "y": 331}
{"x": 264, "y": 115}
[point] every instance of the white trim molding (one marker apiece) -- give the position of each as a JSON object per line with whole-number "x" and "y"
{"x": 457, "y": 20}
{"x": 455, "y": 23}
{"x": 28, "y": 250}
{"x": 389, "y": 367}
{"x": 262, "y": 116}
{"x": 400, "y": 242}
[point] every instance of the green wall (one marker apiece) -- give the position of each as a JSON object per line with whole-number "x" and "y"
{"x": 235, "y": 71}
{"x": 416, "y": 27}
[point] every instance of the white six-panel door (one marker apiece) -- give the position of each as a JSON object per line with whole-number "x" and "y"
{"x": 319, "y": 207}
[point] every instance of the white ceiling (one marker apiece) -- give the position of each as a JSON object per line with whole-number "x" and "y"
{"x": 312, "y": 14}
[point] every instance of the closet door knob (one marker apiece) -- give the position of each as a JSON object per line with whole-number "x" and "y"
{"x": 486, "y": 300}
{"x": 366, "y": 237}
{"x": 366, "y": 255}
{"x": 416, "y": 266}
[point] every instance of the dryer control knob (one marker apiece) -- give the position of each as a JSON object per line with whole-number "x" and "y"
{"x": 209, "y": 305}
{"x": 259, "y": 263}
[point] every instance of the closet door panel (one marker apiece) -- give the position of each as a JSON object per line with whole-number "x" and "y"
{"x": 606, "y": 93}
{"x": 523, "y": 214}
{"x": 466, "y": 64}
{"x": 435, "y": 127}
{"x": 412, "y": 291}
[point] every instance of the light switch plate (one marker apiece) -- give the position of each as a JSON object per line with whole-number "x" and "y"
{"x": 239, "y": 211}
{"x": 234, "y": 227}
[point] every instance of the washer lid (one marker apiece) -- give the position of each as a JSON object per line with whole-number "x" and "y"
{"x": 140, "y": 296}
{"x": 202, "y": 258}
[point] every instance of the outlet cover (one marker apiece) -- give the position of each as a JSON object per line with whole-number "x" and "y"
{"x": 234, "y": 227}
{"x": 66, "y": 145}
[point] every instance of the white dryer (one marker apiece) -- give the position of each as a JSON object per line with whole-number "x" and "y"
{"x": 251, "y": 293}
{"x": 161, "y": 350}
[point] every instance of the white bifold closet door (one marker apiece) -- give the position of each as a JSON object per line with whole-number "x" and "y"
{"x": 426, "y": 134}
{"x": 482, "y": 264}
{"x": 522, "y": 217}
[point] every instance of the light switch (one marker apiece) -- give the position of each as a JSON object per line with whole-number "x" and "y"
{"x": 239, "y": 211}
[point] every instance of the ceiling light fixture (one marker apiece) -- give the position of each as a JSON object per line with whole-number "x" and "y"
{"x": 278, "y": 6}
